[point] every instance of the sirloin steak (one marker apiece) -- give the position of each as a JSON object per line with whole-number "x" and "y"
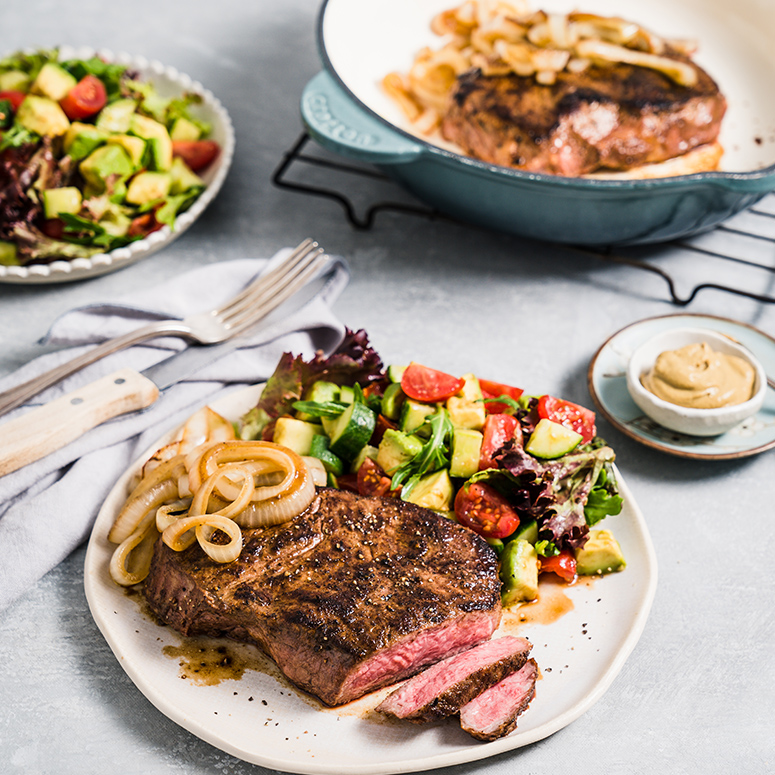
{"x": 353, "y": 594}
{"x": 607, "y": 117}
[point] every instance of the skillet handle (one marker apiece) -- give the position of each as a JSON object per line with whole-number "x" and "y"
{"x": 335, "y": 121}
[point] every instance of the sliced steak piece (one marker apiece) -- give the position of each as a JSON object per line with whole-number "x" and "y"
{"x": 354, "y": 594}
{"x": 494, "y": 712}
{"x": 443, "y": 688}
{"x": 614, "y": 117}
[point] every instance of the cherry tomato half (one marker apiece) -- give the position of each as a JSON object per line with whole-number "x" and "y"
{"x": 85, "y": 99}
{"x": 143, "y": 225}
{"x": 425, "y": 384}
{"x": 570, "y": 415}
{"x": 54, "y": 228}
{"x": 563, "y": 564}
{"x": 492, "y": 389}
{"x": 372, "y": 480}
{"x": 484, "y": 510}
{"x": 14, "y": 97}
{"x": 498, "y": 429}
{"x": 197, "y": 154}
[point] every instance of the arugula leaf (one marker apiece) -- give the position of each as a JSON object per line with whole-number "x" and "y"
{"x": 82, "y": 231}
{"x": 18, "y": 136}
{"x": 176, "y": 204}
{"x": 433, "y": 455}
{"x": 320, "y": 408}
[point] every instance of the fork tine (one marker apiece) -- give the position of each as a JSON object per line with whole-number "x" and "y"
{"x": 298, "y": 254}
{"x": 258, "y": 312}
{"x": 261, "y": 294}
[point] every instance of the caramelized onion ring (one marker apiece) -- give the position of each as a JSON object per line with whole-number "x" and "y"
{"x": 183, "y": 532}
{"x": 159, "y": 487}
{"x": 135, "y": 550}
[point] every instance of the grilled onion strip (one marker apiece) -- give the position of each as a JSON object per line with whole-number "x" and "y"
{"x": 191, "y": 493}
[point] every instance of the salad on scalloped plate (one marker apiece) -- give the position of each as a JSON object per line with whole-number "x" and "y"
{"x": 103, "y": 160}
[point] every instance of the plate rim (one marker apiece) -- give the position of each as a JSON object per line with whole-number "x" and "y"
{"x": 474, "y": 752}
{"x": 64, "y": 270}
{"x": 652, "y": 443}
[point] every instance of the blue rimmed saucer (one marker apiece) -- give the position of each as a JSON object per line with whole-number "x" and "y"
{"x": 607, "y": 384}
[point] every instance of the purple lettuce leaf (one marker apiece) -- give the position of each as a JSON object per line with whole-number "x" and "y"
{"x": 554, "y": 492}
{"x": 353, "y": 361}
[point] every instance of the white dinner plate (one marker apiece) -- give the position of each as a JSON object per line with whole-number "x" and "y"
{"x": 262, "y": 719}
{"x": 168, "y": 82}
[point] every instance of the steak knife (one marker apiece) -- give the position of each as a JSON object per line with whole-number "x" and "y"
{"x": 43, "y": 430}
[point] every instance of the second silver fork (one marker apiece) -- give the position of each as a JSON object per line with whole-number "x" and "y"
{"x": 255, "y": 302}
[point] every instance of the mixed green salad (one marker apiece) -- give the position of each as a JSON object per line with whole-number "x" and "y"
{"x": 526, "y": 472}
{"x": 91, "y": 157}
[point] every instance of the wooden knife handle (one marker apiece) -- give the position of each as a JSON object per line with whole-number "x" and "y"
{"x": 41, "y": 431}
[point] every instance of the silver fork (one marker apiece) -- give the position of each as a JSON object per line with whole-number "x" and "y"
{"x": 256, "y": 301}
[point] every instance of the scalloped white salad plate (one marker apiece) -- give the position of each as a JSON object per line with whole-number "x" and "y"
{"x": 581, "y": 635}
{"x": 168, "y": 82}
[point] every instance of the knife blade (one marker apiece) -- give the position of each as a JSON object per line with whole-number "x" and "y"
{"x": 47, "y": 428}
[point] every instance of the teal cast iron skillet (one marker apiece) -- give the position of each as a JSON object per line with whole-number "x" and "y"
{"x": 344, "y": 111}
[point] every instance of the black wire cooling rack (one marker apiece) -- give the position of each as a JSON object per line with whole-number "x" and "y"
{"x": 735, "y": 241}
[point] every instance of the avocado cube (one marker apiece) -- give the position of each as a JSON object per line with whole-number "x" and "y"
{"x": 115, "y": 222}
{"x": 61, "y": 200}
{"x": 295, "y": 434}
{"x": 106, "y": 161}
{"x": 395, "y": 449}
{"x": 551, "y": 440}
{"x": 600, "y": 554}
{"x": 466, "y": 409}
{"x": 81, "y": 139}
{"x": 53, "y": 82}
{"x": 8, "y": 254}
{"x": 134, "y": 146}
{"x": 147, "y": 187}
{"x": 519, "y": 572}
{"x": 183, "y": 129}
{"x": 14, "y": 80}
{"x": 42, "y": 116}
{"x": 183, "y": 179}
{"x": 466, "y": 448}
{"x": 117, "y": 116}
{"x": 158, "y": 138}
{"x": 433, "y": 491}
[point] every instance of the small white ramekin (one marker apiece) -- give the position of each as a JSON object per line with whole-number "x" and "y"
{"x": 694, "y": 422}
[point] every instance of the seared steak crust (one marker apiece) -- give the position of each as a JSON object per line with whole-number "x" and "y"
{"x": 354, "y": 594}
{"x": 607, "y": 117}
